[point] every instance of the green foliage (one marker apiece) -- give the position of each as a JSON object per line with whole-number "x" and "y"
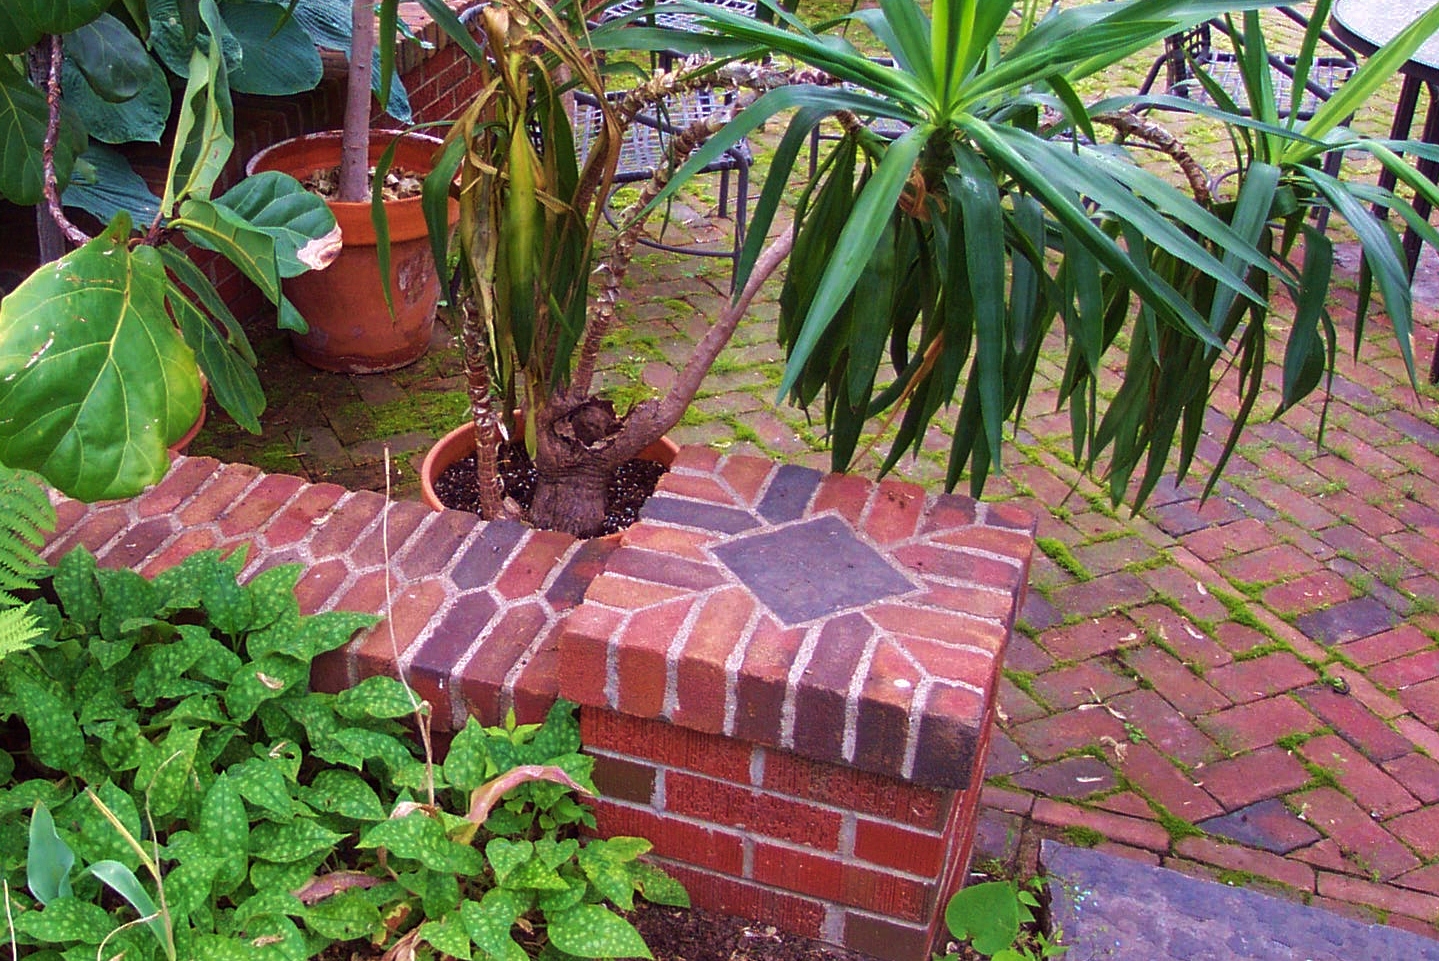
{"x": 997, "y": 919}
{"x": 948, "y": 254}
{"x": 25, "y": 514}
{"x": 189, "y": 796}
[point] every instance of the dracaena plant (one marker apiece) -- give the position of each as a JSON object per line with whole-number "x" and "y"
{"x": 534, "y": 291}
{"x": 930, "y": 267}
{"x": 101, "y": 350}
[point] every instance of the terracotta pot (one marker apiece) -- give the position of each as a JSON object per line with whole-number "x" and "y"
{"x": 460, "y": 443}
{"x": 185, "y": 439}
{"x": 351, "y": 330}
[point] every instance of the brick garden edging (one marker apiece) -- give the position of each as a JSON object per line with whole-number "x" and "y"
{"x": 788, "y": 679}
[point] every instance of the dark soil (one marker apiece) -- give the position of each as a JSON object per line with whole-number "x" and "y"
{"x": 674, "y": 934}
{"x": 631, "y": 486}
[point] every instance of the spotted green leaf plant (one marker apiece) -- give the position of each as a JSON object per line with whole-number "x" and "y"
{"x": 170, "y": 787}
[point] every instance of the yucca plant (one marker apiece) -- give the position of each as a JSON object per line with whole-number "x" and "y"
{"x": 952, "y": 249}
{"x": 533, "y": 292}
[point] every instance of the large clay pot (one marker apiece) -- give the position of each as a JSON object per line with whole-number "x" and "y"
{"x": 460, "y": 443}
{"x": 351, "y": 329}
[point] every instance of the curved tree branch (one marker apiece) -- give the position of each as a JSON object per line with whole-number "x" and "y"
{"x": 72, "y": 233}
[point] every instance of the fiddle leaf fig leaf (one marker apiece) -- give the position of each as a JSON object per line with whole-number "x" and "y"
{"x": 112, "y": 59}
{"x": 277, "y": 55}
{"x": 23, "y": 116}
{"x": 140, "y": 117}
{"x": 305, "y": 233}
{"x": 94, "y": 381}
{"x": 204, "y": 134}
{"x": 218, "y": 227}
{"x": 23, "y": 24}
{"x": 108, "y": 185}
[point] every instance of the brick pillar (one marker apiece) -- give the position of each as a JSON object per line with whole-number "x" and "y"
{"x": 790, "y": 684}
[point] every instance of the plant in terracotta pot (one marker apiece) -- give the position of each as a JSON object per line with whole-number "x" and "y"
{"x": 951, "y": 249}
{"x": 102, "y": 351}
{"x": 374, "y": 309}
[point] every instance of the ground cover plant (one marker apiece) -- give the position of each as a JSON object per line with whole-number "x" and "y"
{"x": 171, "y": 788}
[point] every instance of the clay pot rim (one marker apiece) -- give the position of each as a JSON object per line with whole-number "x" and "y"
{"x": 459, "y": 444}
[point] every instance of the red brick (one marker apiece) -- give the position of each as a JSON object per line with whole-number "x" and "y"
{"x": 1419, "y": 829}
{"x": 701, "y": 681}
{"x": 1418, "y": 773}
{"x": 259, "y": 505}
{"x": 1189, "y": 643}
{"x": 743, "y": 899}
{"x": 664, "y": 743}
{"x": 1102, "y": 595}
{"x": 1249, "y": 680}
{"x": 585, "y": 650}
{"x": 854, "y": 790}
{"x": 1092, "y": 637}
{"x": 697, "y": 845}
{"x": 1422, "y": 700}
{"x": 1407, "y": 671}
{"x": 1176, "y": 683}
{"x": 1253, "y": 776}
{"x": 1018, "y": 544}
{"x": 952, "y": 629}
{"x": 1356, "y": 724}
{"x": 746, "y": 476}
{"x": 1269, "y": 564}
{"x": 1239, "y": 638}
{"x": 757, "y": 813}
{"x": 930, "y": 560}
{"x": 1069, "y": 687}
{"x": 843, "y": 493}
{"x": 831, "y": 879}
{"x": 1165, "y": 727}
{"x": 1235, "y": 857}
{"x": 1382, "y": 896}
{"x": 183, "y": 480}
{"x": 536, "y": 689}
{"x": 1258, "y": 724}
{"x": 1376, "y": 791}
{"x": 670, "y": 540}
{"x": 763, "y": 682}
{"x": 1117, "y": 827}
{"x": 187, "y": 543}
{"x": 694, "y": 457}
{"x": 319, "y": 583}
{"x": 1424, "y": 879}
{"x": 976, "y": 601}
{"x": 892, "y": 846}
{"x": 1059, "y": 734}
{"x": 1213, "y": 543}
{"x": 212, "y": 500}
{"x": 1307, "y": 593}
{"x": 1361, "y": 840}
{"x": 1158, "y": 778}
{"x": 642, "y": 657}
{"x": 630, "y": 594}
{"x": 696, "y": 486}
{"x": 408, "y": 616}
{"x": 298, "y": 520}
{"x": 894, "y": 512}
{"x": 1376, "y": 648}
{"x": 93, "y": 530}
{"x": 528, "y": 568}
{"x": 502, "y": 646}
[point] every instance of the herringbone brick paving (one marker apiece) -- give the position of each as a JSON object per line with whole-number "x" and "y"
{"x": 1244, "y": 688}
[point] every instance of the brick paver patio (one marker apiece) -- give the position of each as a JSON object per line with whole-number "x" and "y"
{"x": 1245, "y": 688}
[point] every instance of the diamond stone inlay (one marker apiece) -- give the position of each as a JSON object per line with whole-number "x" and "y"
{"x": 812, "y": 569}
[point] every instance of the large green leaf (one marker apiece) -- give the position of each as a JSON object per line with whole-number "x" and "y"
{"x": 219, "y": 228}
{"x": 24, "y": 22}
{"x": 94, "y": 380}
{"x": 174, "y": 38}
{"x": 204, "y": 134}
{"x": 278, "y": 55}
{"x": 113, "y": 59}
{"x": 104, "y": 184}
{"x": 306, "y": 236}
{"x": 23, "y": 116}
{"x": 141, "y": 117}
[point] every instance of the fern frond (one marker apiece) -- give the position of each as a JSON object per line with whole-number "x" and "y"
{"x": 18, "y": 628}
{"x": 25, "y": 514}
